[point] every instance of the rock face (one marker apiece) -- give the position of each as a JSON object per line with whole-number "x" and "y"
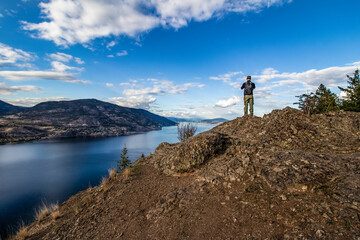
{"x": 283, "y": 176}
{"x": 79, "y": 118}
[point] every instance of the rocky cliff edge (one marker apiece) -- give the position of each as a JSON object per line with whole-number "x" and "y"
{"x": 283, "y": 176}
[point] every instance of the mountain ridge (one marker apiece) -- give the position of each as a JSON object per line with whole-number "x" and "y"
{"x": 6, "y": 107}
{"x": 76, "y": 118}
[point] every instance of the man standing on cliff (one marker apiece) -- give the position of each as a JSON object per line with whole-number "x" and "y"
{"x": 248, "y": 87}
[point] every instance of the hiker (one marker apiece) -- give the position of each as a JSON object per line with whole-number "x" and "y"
{"x": 248, "y": 87}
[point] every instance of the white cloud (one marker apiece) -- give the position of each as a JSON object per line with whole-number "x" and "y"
{"x": 45, "y": 75}
{"x": 252, "y": 5}
{"x": 1, "y": 15}
{"x": 110, "y": 45}
{"x": 228, "y": 79}
{"x": 331, "y": 77}
{"x": 122, "y": 53}
{"x": 161, "y": 87}
{"x": 63, "y": 57}
{"x": 61, "y": 67}
{"x": 29, "y": 102}
{"x": 228, "y": 102}
{"x": 80, "y": 21}
{"x": 109, "y": 84}
{"x": 78, "y": 60}
{"x": 134, "y": 101}
{"x": 10, "y": 57}
{"x": 10, "y": 90}
{"x": 110, "y": 56}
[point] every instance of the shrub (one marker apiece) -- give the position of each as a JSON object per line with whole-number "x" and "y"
{"x": 186, "y": 130}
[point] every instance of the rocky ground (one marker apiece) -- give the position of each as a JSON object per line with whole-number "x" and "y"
{"x": 283, "y": 176}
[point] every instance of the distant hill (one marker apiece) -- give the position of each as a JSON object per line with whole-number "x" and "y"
{"x": 213, "y": 121}
{"x": 6, "y": 107}
{"x": 178, "y": 120}
{"x": 78, "y": 118}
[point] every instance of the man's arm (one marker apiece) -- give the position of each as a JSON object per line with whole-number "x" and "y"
{"x": 253, "y": 85}
{"x": 243, "y": 86}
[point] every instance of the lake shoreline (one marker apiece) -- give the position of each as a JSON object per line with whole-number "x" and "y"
{"x": 59, "y": 138}
{"x": 52, "y": 170}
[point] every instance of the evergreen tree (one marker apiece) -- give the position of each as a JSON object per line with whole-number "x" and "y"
{"x": 352, "y": 99}
{"x": 325, "y": 100}
{"x": 307, "y": 103}
{"x": 124, "y": 161}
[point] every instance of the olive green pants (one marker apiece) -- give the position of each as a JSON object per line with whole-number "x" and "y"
{"x": 248, "y": 99}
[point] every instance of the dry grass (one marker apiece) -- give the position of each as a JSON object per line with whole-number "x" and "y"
{"x": 22, "y": 233}
{"x": 55, "y": 215}
{"x": 42, "y": 212}
{"x": 130, "y": 171}
{"x": 45, "y": 211}
{"x": 112, "y": 174}
{"x": 105, "y": 184}
{"x": 127, "y": 173}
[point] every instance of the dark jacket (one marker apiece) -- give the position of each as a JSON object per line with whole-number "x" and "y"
{"x": 248, "y": 87}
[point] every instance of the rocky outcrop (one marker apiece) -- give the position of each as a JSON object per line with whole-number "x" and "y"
{"x": 283, "y": 176}
{"x": 79, "y": 118}
{"x": 188, "y": 156}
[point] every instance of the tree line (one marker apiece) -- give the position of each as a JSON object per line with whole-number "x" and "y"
{"x": 323, "y": 100}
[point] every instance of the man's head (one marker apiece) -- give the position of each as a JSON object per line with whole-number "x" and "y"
{"x": 248, "y": 78}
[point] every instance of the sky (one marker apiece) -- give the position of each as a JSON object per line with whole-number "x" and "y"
{"x": 176, "y": 58}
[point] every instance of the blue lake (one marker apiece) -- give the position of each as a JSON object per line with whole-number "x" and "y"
{"x": 51, "y": 171}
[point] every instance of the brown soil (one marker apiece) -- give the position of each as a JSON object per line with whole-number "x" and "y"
{"x": 283, "y": 176}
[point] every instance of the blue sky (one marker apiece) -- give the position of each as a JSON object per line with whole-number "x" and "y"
{"x": 176, "y": 58}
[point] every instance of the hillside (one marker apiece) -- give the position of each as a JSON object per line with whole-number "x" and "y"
{"x": 6, "y": 107}
{"x": 283, "y": 176}
{"x": 78, "y": 118}
{"x": 213, "y": 120}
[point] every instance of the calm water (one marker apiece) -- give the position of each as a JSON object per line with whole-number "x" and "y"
{"x": 52, "y": 171}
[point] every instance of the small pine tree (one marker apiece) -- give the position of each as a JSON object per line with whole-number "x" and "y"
{"x": 325, "y": 100}
{"x": 352, "y": 99}
{"x": 307, "y": 103}
{"x": 124, "y": 161}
